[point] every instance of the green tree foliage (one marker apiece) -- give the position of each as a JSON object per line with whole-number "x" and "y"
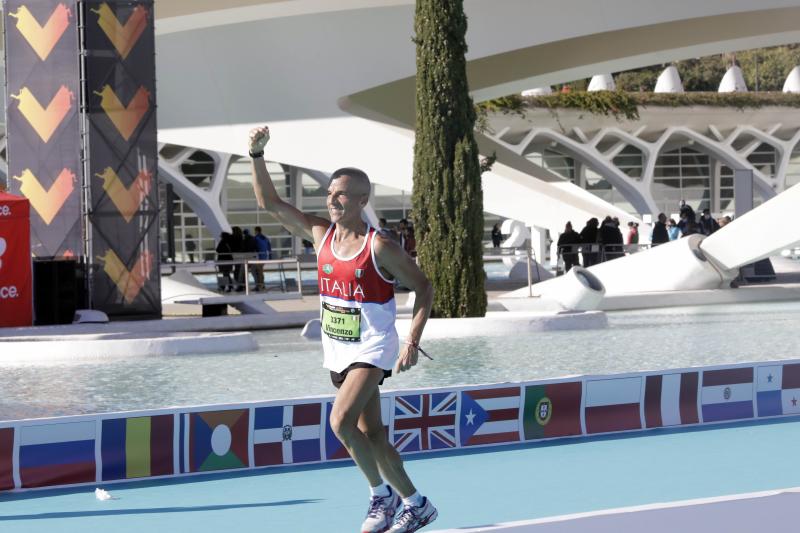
{"x": 448, "y": 200}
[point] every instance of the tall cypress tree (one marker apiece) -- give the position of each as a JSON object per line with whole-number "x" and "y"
{"x": 448, "y": 200}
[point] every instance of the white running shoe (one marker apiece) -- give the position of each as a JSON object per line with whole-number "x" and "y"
{"x": 412, "y": 518}
{"x": 381, "y": 513}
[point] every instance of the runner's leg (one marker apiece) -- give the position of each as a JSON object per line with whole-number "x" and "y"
{"x": 359, "y": 386}
{"x": 389, "y": 462}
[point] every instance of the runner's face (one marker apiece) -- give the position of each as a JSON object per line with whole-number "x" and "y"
{"x": 345, "y": 200}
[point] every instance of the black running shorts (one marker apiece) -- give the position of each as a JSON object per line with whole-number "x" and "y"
{"x": 337, "y": 379}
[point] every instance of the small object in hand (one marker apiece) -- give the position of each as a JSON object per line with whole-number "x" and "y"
{"x": 416, "y": 345}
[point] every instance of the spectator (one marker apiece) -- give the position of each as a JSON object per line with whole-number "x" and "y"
{"x": 673, "y": 230}
{"x": 409, "y": 241}
{"x": 497, "y": 236}
{"x": 264, "y": 250}
{"x": 190, "y": 246}
{"x": 568, "y": 243}
{"x": 707, "y": 223}
{"x": 610, "y": 238}
{"x": 250, "y": 249}
{"x": 724, "y": 221}
{"x": 384, "y": 227}
{"x": 660, "y": 234}
{"x": 308, "y": 247}
{"x": 225, "y": 253}
{"x": 237, "y": 246}
{"x": 633, "y": 233}
{"x": 687, "y": 216}
{"x": 589, "y": 240}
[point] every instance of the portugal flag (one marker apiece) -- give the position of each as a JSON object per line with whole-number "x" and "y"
{"x": 552, "y": 410}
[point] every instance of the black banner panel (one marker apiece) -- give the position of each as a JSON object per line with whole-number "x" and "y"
{"x": 42, "y": 120}
{"x": 123, "y": 157}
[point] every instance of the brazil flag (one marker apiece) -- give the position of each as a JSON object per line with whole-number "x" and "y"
{"x": 552, "y": 410}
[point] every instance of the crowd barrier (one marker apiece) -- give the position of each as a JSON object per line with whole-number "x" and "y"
{"x": 184, "y": 441}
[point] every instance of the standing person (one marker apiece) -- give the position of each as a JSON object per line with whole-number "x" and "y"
{"x": 357, "y": 266}
{"x": 673, "y": 230}
{"x": 633, "y": 237}
{"x": 190, "y": 246}
{"x": 264, "y": 250}
{"x": 497, "y": 236}
{"x": 708, "y": 224}
{"x": 250, "y": 251}
{"x": 589, "y": 240}
{"x": 568, "y": 243}
{"x": 224, "y": 253}
{"x": 610, "y": 239}
{"x": 237, "y": 247}
{"x": 409, "y": 241}
{"x": 660, "y": 235}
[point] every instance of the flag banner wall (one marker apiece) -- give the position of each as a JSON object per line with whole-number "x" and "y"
{"x": 57, "y": 454}
{"x": 42, "y": 120}
{"x": 778, "y": 390}
{"x": 16, "y": 285}
{"x": 671, "y": 400}
{"x": 123, "y": 156}
{"x": 167, "y": 442}
{"x": 137, "y": 447}
{"x": 727, "y": 394}
{"x": 613, "y": 404}
{"x": 552, "y": 410}
{"x": 489, "y": 416}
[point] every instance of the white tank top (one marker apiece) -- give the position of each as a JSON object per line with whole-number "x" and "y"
{"x": 357, "y": 307}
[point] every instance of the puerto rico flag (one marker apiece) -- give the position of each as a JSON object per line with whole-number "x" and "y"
{"x": 333, "y": 447}
{"x": 6, "y": 458}
{"x": 489, "y": 416}
{"x": 727, "y": 394}
{"x": 425, "y": 421}
{"x": 613, "y": 404}
{"x": 287, "y": 434}
{"x": 778, "y": 390}
{"x": 57, "y": 454}
{"x": 671, "y": 400}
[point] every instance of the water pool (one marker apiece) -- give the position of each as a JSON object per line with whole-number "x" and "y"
{"x": 288, "y": 366}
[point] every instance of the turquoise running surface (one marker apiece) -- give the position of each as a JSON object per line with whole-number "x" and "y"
{"x": 487, "y": 486}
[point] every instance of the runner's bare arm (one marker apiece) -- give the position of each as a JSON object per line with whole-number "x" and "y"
{"x": 298, "y": 223}
{"x": 395, "y": 261}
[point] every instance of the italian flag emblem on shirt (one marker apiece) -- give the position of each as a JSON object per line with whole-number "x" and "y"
{"x": 327, "y": 268}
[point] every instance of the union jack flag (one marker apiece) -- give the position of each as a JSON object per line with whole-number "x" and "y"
{"x": 425, "y": 421}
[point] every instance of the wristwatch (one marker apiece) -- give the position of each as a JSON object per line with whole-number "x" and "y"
{"x": 258, "y": 154}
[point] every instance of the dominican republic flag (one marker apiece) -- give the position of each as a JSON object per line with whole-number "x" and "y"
{"x": 215, "y": 440}
{"x": 489, "y": 416}
{"x": 778, "y": 390}
{"x": 613, "y": 404}
{"x": 6, "y": 458}
{"x": 138, "y": 447}
{"x": 671, "y": 400}
{"x": 57, "y": 454}
{"x": 287, "y": 434}
{"x": 552, "y": 410}
{"x": 727, "y": 394}
{"x": 334, "y": 448}
{"x": 425, "y": 421}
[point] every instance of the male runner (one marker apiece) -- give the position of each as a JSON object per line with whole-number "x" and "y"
{"x": 356, "y": 267}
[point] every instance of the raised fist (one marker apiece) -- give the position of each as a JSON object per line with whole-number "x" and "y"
{"x": 258, "y": 138}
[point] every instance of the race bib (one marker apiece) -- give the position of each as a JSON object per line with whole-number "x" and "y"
{"x": 341, "y": 323}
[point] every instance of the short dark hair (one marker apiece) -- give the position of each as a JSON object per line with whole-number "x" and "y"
{"x": 349, "y": 171}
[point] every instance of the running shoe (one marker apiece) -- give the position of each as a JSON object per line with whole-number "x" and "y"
{"x": 381, "y": 513}
{"x": 412, "y": 518}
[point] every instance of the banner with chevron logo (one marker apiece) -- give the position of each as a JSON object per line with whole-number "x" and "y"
{"x": 123, "y": 156}
{"x": 43, "y": 120}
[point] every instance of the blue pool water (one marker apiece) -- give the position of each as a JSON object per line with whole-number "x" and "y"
{"x": 287, "y": 365}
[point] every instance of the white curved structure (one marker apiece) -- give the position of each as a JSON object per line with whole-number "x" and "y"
{"x": 335, "y": 79}
{"x": 577, "y": 290}
{"x": 669, "y": 81}
{"x": 602, "y": 82}
{"x": 792, "y": 83}
{"x": 733, "y": 81}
